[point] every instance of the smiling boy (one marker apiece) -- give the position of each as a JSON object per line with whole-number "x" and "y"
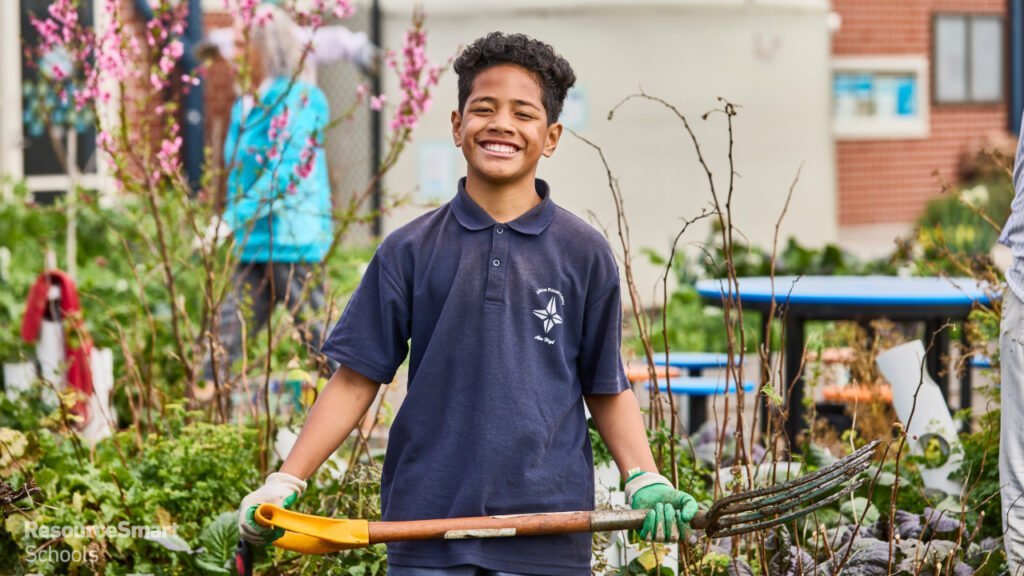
{"x": 509, "y": 309}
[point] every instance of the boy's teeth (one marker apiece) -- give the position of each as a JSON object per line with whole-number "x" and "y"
{"x": 500, "y": 148}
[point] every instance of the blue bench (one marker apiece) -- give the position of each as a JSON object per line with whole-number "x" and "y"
{"x": 980, "y": 361}
{"x": 695, "y": 362}
{"x": 697, "y": 389}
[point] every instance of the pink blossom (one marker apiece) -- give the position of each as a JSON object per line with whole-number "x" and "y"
{"x": 166, "y": 64}
{"x": 168, "y": 155}
{"x": 278, "y": 124}
{"x": 344, "y": 9}
{"x": 175, "y": 49}
{"x": 262, "y": 18}
{"x": 416, "y": 78}
{"x": 377, "y": 102}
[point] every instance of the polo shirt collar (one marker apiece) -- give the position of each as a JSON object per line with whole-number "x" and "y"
{"x": 473, "y": 217}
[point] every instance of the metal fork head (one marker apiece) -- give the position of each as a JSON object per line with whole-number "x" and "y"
{"x": 773, "y": 505}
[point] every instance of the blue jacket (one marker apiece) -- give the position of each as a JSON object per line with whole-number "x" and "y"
{"x": 275, "y": 214}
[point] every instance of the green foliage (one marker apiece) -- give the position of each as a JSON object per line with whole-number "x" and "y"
{"x": 979, "y": 471}
{"x": 795, "y": 259}
{"x": 958, "y": 230}
{"x": 182, "y": 476}
{"x": 958, "y": 219}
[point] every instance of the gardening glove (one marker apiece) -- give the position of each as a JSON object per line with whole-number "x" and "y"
{"x": 281, "y": 489}
{"x": 670, "y": 510}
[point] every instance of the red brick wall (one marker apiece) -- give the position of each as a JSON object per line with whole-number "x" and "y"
{"x": 219, "y": 96}
{"x": 891, "y": 180}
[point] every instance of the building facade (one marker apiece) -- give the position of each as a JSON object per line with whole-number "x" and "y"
{"x": 917, "y": 85}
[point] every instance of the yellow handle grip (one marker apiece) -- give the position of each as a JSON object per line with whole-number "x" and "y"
{"x": 310, "y": 534}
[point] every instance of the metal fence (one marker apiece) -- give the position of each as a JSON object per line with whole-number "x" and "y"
{"x": 350, "y": 145}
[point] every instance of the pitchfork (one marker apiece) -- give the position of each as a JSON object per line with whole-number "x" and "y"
{"x": 735, "y": 514}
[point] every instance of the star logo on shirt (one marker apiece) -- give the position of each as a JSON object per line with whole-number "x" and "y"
{"x": 549, "y": 315}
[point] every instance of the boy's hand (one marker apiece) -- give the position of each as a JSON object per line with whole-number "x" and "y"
{"x": 670, "y": 510}
{"x": 281, "y": 489}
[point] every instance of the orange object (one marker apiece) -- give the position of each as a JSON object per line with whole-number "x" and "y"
{"x": 640, "y": 373}
{"x": 832, "y": 356}
{"x": 858, "y": 393}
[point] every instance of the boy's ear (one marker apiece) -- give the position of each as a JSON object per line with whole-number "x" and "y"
{"x": 457, "y": 128}
{"x": 551, "y": 140}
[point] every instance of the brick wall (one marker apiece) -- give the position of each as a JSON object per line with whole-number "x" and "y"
{"x": 891, "y": 180}
{"x": 219, "y": 96}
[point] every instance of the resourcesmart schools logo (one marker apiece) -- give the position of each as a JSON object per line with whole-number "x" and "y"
{"x": 45, "y": 553}
{"x": 119, "y": 530}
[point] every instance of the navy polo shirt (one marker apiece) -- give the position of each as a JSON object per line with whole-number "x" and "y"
{"x": 507, "y": 325}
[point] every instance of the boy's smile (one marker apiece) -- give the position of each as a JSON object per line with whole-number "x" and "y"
{"x": 503, "y": 130}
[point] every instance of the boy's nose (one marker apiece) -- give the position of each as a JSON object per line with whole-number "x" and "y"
{"x": 500, "y": 123}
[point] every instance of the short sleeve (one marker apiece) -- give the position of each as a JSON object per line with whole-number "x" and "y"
{"x": 600, "y": 363}
{"x": 372, "y": 335}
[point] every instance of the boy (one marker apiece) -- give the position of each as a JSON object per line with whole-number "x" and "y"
{"x": 512, "y": 308}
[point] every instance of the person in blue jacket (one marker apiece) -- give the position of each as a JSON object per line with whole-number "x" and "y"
{"x": 278, "y": 198}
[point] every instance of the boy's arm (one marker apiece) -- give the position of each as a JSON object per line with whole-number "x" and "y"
{"x": 334, "y": 415}
{"x": 618, "y": 419}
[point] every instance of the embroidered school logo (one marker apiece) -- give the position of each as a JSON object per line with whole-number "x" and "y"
{"x": 548, "y": 315}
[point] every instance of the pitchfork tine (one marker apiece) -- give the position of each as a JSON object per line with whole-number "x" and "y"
{"x": 786, "y": 490}
{"x": 765, "y": 524}
{"x": 862, "y": 454}
{"x": 790, "y": 500}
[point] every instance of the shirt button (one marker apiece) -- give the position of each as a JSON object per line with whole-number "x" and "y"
{"x": 496, "y": 262}
{"x": 500, "y": 230}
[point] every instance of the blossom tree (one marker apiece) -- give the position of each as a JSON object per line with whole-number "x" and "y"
{"x": 128, "y": 80}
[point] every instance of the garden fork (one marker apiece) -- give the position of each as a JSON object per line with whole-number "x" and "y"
{"x": 735, "y": 514}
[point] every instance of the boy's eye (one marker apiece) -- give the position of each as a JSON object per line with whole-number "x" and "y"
{"x": 524, "y": 115}
{"x": 481, "y": 110}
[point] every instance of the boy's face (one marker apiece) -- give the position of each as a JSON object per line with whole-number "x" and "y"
{"x": 503, "y": 129}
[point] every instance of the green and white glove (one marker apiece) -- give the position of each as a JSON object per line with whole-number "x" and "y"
{"x": 281, "y": 489}
{"x": 670, "y": 510}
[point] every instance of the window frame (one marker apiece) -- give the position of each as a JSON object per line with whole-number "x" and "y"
{"x": 969, "y": 18}
{"x": 918, "y": 127}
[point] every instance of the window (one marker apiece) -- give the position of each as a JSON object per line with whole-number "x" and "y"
{"x": 967, "y": 55}
{"x": 880, "y": 97}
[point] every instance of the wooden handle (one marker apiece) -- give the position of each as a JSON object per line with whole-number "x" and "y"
{"x": 508, "y": 526}
{"x": 700, "y": 521}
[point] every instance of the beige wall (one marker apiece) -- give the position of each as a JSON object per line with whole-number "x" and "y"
{"x": 771, "y": 57}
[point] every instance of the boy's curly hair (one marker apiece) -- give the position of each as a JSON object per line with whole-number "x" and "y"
{"x": 552, "y": 72}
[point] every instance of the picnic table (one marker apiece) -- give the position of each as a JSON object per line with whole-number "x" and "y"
{"x": 934, "y": 301}
{"x": 697, "y": 389}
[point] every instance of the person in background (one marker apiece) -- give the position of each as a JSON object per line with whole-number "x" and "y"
{"x": 1011, "y": 390}
{"x": 278, "y": 198}
{"x": 327, "y": 44}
